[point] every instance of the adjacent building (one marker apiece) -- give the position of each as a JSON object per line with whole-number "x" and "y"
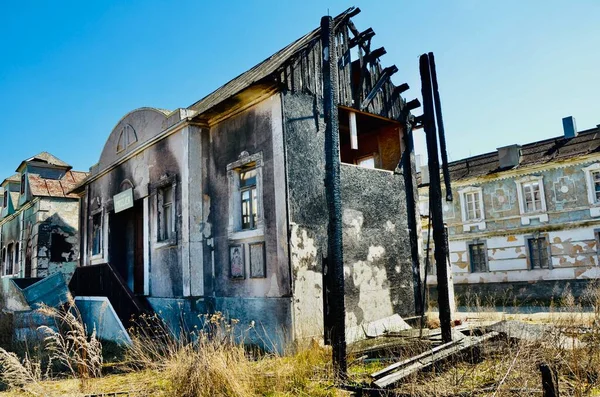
{"x": 39, "y": 220}
{"x": 525, "y": 219}
{"x": 221, "y": 206}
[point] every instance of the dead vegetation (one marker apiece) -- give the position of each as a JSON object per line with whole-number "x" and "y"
{"x": 212, "y": 362}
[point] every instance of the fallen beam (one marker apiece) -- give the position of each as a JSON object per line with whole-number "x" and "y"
{"x": 425, "y": 361}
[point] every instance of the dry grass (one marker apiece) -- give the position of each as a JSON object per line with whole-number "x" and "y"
{"x": 211, "y": 362}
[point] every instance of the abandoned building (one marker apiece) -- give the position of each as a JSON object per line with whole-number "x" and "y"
{"x": 221, "y": 206}
{"x": 39, "y": 225}
{"x": 525, "y": 221}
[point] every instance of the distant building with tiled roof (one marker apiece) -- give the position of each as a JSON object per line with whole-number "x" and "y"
{"x": 39, "y": 218}
{"x": 525, "y": 219}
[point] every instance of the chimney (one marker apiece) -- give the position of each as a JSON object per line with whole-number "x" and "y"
{"x": 569, "y": 127}
{"x": 509, "y": 156}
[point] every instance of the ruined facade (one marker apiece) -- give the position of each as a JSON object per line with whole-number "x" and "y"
{"x": 525, "y": 220}
{"x": 221, "y": 206}
{"x": 39, "y": 220}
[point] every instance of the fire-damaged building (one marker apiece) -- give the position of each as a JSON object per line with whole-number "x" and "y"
{"x": 38, "y": 224}
{"x": 526, "y": 220}
{"x": 222, "y": 206}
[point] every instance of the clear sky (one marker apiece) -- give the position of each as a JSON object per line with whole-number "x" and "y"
{"x": 508, "y": 70}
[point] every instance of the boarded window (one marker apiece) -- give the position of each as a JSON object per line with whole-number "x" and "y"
{"x": 538, "y": 253}
{"x": 477, "y": 257}
{"x": 60, "y": 249}
{"x": 165, "y": 208}
{"x": 97, "y": 234}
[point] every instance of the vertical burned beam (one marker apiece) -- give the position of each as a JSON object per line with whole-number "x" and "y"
{"x": 435, "y": 200}
{"x": 440, "y": 124}
{"x": 412, "y": 197}
{"x": 335, "y": 261}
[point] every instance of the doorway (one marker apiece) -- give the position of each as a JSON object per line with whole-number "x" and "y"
{"x": 126, "y": 245}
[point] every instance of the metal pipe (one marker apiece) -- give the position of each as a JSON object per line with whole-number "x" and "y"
{"x": 335, "y": 258}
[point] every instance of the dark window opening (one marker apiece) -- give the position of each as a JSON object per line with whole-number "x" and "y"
{"x": 477, "y": 257}
{"x": 59, "y": 247}
{"x": 8, "y": 265}
{"x": 97, "y": 234}
{"x": 538, "y": 253}
{"x": 23, "y": 184}
{"x": 5, "y": 200}
{"x": 377, "y": 141}
{"x": 165, "y": 213}
{"x": 248, "y": 198}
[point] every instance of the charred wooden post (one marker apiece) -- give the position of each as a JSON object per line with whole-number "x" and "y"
{"x": 549, "y": 381}
{"x": 440, "y": 124}
{"x": 435, "y": 200}
{"x": 335, "y": 259}
{"x": 407, "y": 164}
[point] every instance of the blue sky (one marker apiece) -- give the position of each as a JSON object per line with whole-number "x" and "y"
{"x": 508, "y": 70}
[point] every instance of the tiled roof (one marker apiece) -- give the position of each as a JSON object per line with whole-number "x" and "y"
{"x": 48, "y": 158}
{"x": 55, "y": 188}
{"x": 12, "y": 178}
{"x": 534, "y": 153}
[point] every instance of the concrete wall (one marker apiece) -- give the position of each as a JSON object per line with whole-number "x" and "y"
{"x": 378, "y": 270}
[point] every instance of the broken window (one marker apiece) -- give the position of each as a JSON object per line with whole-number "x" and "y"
{"x": 5, "y": 200}
{"x": 23, "y": 184}
{"x": 249, "y": 199}
{"x": 97, "y": 234}
{"x": 165, "y": 208}
{"x": 59, "y": 247}
{"x": 477, "y": 257}
{"x": 369, "y": 141}
{"x": 538, "y": 253}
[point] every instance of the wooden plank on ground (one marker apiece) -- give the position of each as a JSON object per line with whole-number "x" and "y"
{"x": 423, "y": 361}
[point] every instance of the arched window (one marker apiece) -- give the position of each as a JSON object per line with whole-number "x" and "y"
{"x": 127, "y": 137}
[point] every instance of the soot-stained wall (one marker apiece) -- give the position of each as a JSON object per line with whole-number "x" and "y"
{"x": 377, "y": 258}
{"x": 161, "y": 161}
{"x": 263, "y": 301}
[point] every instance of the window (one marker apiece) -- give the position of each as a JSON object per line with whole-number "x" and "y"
{"x": 532, "y": 202}
{"x": 592, "y": 180}
{"x": 249, "y": 200}
{"x": 366, "y": 161}
{"x": 532, "y": 197}
{"x": 5, "y": 200}
{"x": 3, "y": 261}
{"x": 538, "y": 253}
{"x": 23, "y": 184}
{"x": 473, "y": 206}
{"x": 97, "y": 234}
{"x": 165, "y": 208}
{"x": 245, "y": 197}
{"x": 478, "y": 257}
{"x": 473, "y": 213}
{"x": 8, "y": 264}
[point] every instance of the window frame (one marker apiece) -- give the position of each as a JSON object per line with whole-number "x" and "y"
{"x": 157, "y": 190}
{"x": 96, "y": 258}
{"x": 527, "y": 216}
{"x": 478, "y": 222}
{"x": 594, "y": 203}
{"x": 528, "y": 239}
{"x": 486, "y": 266}
{"x": 234, "y": 170}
